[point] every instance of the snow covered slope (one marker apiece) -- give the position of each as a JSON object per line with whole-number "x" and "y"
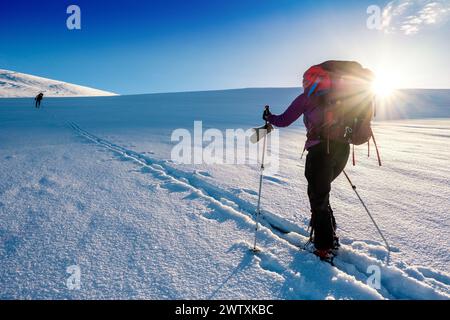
{"x": 16, "y": 84}
{"x": 89, "y": 182}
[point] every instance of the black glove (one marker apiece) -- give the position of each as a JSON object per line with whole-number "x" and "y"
{"x": 266, "y": 114}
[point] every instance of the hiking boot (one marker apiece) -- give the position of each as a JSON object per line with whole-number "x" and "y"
{"x": 324, "y": 254}
{"x": 336, "y": 243}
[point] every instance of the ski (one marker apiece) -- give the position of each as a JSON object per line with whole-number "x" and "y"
{"x": 308, "y": 247}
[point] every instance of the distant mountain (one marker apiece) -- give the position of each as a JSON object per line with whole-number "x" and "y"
{"x": 16, "y": 84}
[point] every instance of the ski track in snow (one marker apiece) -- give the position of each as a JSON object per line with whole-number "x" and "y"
{"x": 396, "y": 282}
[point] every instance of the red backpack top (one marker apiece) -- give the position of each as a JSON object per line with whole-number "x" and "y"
{"x": 343, "y": 91}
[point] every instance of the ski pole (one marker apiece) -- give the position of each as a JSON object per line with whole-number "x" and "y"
{"x": 258, "y": 208}
{"x": 388, "y": 247}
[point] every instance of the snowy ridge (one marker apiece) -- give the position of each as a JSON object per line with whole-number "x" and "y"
{"x": 16, "y": 84}
{"x": 399, "y": 281}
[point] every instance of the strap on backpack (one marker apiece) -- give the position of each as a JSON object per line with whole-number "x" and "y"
{"x": 353, "y": 155}
{"x": 376, "y": 148}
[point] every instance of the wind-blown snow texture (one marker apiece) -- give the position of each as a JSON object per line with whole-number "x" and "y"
{"x": 88, "y": 182}
{"x": 16, "y": 84}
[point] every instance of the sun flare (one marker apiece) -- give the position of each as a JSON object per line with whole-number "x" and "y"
{"x": 384, "y": 85}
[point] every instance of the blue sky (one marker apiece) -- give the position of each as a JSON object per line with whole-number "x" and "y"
{"x": 159, "y": 46}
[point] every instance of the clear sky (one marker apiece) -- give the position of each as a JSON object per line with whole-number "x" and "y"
{"x": 166, "y": 45}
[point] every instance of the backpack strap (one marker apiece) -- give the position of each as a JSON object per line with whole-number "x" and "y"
{"x": 374, "y": 104}
{"x": 314, "y": 86}
{"x": 376, "y": 148}
{"x": 328, "y": 144}
{"x": 353, "y": 155}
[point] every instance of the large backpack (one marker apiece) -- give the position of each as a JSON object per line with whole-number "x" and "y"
{"x": 342, "y": 91}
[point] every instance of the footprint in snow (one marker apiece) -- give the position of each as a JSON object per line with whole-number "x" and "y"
{"x": 361, "y": 244}
{"x": 265, "y": 261}
{"x": 243, "y": 190}
{"x": 436, "y": 275}
{"x": 47, "y": 182}
{"x": 174, "y": 187}
{"x": 124, "y": 158}
{"x": 202, "y": 173}
{"x": 275, "y": 180}
{"x": 11, "y": 243}
{"x": 250, "y": 191}
{"x": 145, "y": 170}
{"x": 191, "y": 196}
{"x": 157, "y": 166}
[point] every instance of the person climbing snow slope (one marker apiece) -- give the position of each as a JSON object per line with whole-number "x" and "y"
{"x": 337, "y": 108}
{"x": 38, "y": 100}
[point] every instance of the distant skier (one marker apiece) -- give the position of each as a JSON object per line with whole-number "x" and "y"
{"x": 336, "y": 112}
{"x": 38, "y": 100}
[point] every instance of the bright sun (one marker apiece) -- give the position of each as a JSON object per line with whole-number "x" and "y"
{"x": 383, "y": 85}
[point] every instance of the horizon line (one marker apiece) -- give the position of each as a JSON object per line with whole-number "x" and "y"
{"x": 195, "y": 91}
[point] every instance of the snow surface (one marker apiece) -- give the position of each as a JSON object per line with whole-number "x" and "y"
{"x": 16, "y": 84}
{"x": 89, "y": 182}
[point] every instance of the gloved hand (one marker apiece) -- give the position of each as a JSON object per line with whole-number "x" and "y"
{"x": 266, "y": 114}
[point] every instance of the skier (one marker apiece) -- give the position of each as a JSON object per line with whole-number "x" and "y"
{"x": 327, "y": 157}
{"x": 38, "y": 100}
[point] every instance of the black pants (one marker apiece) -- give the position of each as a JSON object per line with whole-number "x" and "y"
{"x": 38, "y": 103}
{"x": 322, "y": 167}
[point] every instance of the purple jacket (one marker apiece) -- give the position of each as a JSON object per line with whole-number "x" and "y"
{"x": 312, "y": 117}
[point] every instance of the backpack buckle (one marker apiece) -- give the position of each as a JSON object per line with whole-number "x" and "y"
{"x": 348, "y": 131}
